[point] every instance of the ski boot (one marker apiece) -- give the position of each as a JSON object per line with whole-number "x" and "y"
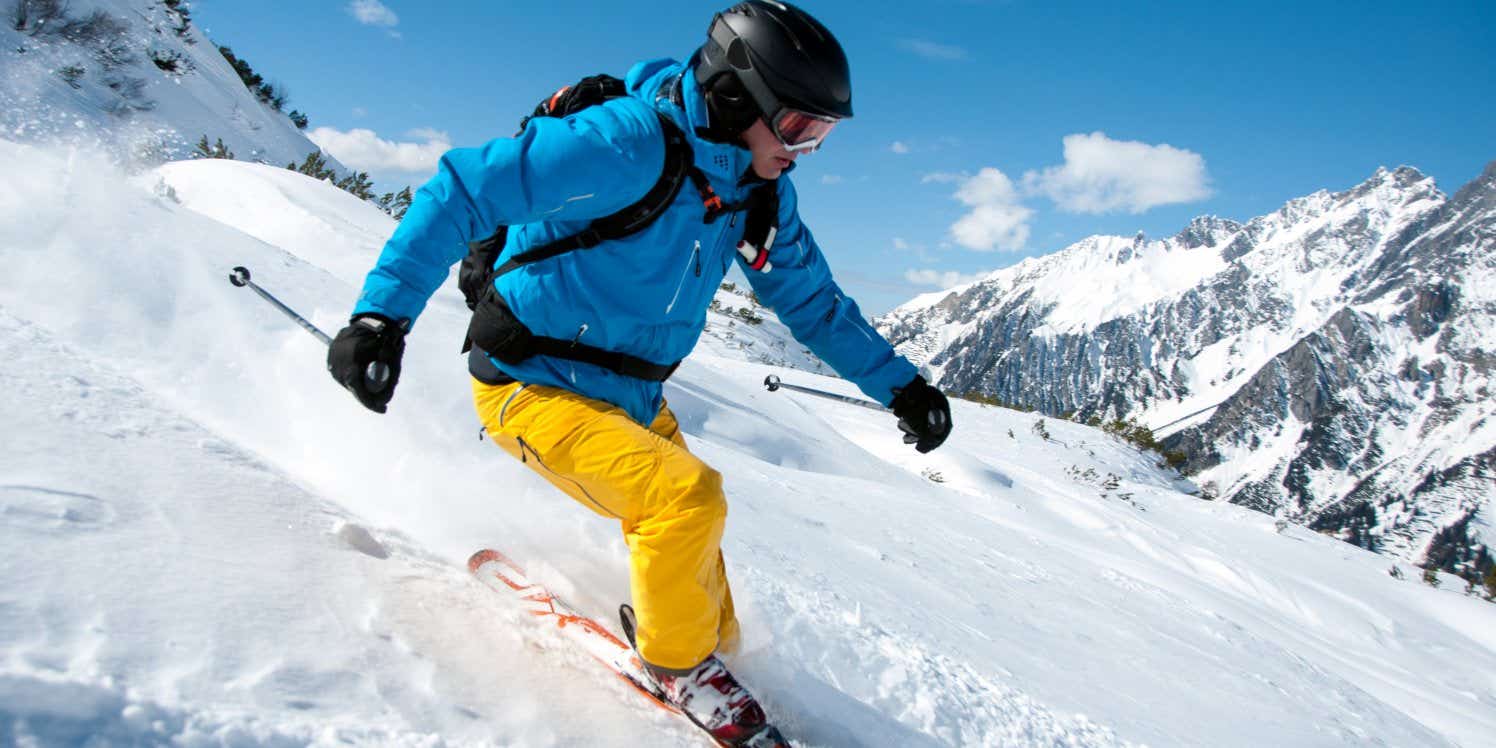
{"x": 709, "y": 696}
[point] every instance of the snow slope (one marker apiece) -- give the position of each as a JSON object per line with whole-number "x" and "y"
{"x": 212, "y": 544}
{"x": 121, "y": 100}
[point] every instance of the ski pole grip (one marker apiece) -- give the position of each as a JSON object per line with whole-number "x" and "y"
{"x": 377, "y": 376}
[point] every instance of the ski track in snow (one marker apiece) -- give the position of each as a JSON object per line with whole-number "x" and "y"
{"x": 220, "y": 547}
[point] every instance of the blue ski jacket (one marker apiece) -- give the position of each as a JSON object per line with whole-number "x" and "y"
{"x": 645, "y": 294}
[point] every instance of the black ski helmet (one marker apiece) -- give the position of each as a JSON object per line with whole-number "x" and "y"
{"x": 761, "y": 56}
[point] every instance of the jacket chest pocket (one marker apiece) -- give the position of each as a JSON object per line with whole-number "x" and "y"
{"x": 702, "y": 270}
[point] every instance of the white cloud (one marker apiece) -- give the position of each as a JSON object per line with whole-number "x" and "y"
{"x": 900, "y": 244}
{"x": 360, "y": 112}
{"x": 1101, "y": 175}
{"x": 941, "y": 278}
{"x": 832, "y": 179}
{"x": 943, "y": 177}
{"x": 364, "y": 150}
{"x": 899, "y": 147}
{"x": 933, "y": 50}
{"x": 998, "y": 218}
{"x": 373, "y": 13}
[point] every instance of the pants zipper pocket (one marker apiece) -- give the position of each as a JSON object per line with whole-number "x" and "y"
{"x": 529, "y": 449}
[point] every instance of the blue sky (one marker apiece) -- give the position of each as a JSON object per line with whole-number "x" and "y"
{"x": 985, "y": 131}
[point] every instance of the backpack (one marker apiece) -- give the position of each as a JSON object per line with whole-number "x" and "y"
{"x": 496, "y": 331}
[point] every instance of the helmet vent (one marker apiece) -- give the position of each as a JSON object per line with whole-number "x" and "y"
{"x": 737, "y": 55}
{"x": 722, "y": 161}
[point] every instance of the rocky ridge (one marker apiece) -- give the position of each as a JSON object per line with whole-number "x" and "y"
{"x": 1329, "y": 362}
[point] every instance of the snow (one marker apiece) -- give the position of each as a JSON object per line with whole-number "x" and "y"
{"x": 167, "y": 116}
{"x": 219, "y": 546}
{"x": 270, "y": 204}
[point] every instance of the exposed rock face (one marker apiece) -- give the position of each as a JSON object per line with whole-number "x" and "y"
{"x": 1330, "y": 362}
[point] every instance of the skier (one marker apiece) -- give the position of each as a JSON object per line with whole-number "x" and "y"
{"x": 574, "y": 335}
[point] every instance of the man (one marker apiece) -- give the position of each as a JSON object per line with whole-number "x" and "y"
{"x": 573, "y": 344}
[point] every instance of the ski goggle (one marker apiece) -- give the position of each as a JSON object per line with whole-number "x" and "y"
{"x": 801, "y": 131}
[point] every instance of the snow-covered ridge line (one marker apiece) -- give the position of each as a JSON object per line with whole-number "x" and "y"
{"x": 1323, "y": 362}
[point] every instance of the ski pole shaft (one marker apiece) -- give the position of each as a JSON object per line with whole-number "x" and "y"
{"x": 376, "y": 377}
{"x": 772, "y": 382}
{"x": 240, "y": 278}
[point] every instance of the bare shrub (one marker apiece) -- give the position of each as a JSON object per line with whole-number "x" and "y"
{"x": 131, "y": 91}
{"x": 72, "y": 74}
{"x": 37, "y": 16}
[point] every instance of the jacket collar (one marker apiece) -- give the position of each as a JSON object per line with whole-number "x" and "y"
{"x": 668, "y": 86}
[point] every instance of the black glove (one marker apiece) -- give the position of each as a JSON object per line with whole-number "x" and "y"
{"x": 924, "y": 414}
{"x": 365, "y": 358}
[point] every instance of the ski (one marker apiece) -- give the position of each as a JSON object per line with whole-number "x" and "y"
{"x": 589, "y": 635}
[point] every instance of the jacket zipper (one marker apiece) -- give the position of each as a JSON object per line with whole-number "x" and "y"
{"x": 695, "y": 262}
{"x": 526, "y": 448}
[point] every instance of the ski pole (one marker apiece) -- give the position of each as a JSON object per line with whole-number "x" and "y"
{"x": 773, "y": 383}
{"x": 376, "y": 377}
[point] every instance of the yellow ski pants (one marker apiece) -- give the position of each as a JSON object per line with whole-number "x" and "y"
{"x": 668, "y": 502}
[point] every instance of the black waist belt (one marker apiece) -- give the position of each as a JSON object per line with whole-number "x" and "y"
{"x": 496, "y": 330}
{"x": 618, "y": 363}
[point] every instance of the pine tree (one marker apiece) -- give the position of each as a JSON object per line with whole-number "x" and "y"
{"x": 358, "y": 185}
{"x": 401, "y": 204}
{"x": 217, "y": 150}
{"x": 247, "y": 74}
{"x": 314, "y": 166}
{"x": 298, "y": 119}
{"x": 395, "y": 203}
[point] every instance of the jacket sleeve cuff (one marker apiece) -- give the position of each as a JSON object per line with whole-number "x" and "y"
{"x": 880, "y": 384}
{"x": 395, "y": 302}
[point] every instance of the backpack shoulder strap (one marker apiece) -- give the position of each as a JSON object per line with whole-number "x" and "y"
{"x": 761, "y": 226}
{"x": 679, "y": 163}
{"x": 589, "y": 91}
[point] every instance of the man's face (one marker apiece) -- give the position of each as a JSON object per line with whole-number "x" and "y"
{"x": 770, "y": 157}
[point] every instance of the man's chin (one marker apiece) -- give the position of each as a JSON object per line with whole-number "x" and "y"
{"x": 768, "y": 173}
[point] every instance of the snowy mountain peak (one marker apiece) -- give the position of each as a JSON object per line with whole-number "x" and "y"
{"x": 1392, "y": 186}
{"x": 1291, "y": 357}
{"x": 1207, "y": 231}
{"x": 1484, "y": 184}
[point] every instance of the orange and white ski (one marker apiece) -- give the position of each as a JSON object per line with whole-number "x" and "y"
{"x": 588, "y": 634}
